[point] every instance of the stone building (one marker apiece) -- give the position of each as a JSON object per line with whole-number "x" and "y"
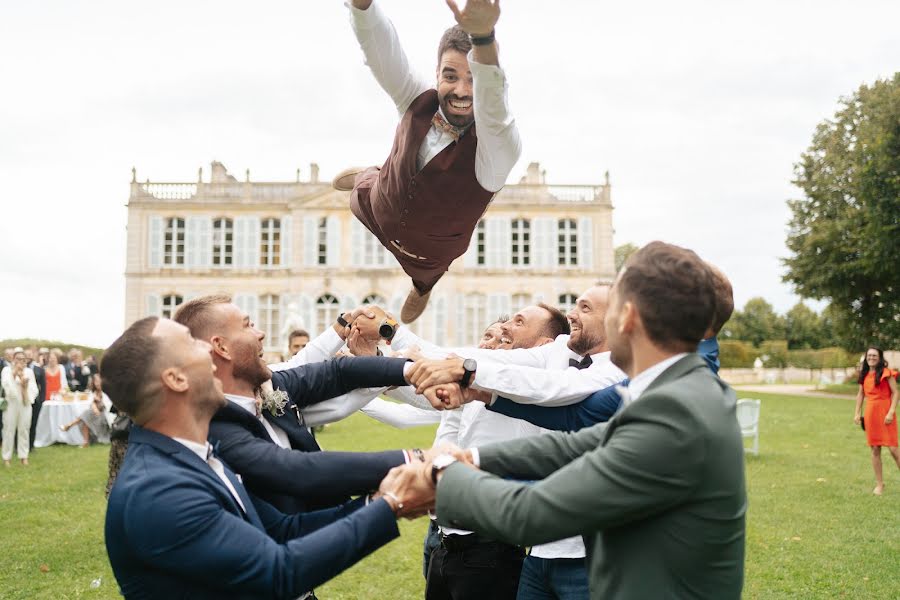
{"x": 292, "y": 254}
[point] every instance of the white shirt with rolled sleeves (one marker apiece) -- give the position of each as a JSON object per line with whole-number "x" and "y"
{"x": 499, "y": 145}
{"x": 540, "y": 375}
{"x": 324, "y": 347}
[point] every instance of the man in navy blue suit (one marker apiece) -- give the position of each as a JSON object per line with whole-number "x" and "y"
{"x": 179, "y": 523}
{"x": 270, "y": 446}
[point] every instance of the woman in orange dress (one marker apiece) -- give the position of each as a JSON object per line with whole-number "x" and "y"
{"x": 878, "y": 385}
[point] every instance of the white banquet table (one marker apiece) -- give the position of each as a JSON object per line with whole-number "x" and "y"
{"x": 55, "y": 413}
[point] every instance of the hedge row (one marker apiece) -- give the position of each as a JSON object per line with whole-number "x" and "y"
{"x": 737, "y": 354}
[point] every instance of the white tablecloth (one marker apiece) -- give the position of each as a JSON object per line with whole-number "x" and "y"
{"x": 55, "y": 413}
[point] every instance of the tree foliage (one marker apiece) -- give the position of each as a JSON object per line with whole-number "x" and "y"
{"x": 844, "y": 235}
{"x": 803, "y": 328}
{"x": 622, "y": 253}
{"x": 757, "y": 323}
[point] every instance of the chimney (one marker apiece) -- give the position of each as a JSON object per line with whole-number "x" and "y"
{"x": 313, "y": 173}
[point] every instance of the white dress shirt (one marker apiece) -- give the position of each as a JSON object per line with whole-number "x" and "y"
{"x": 401, "y": 416}
{"x": 275, "y": 432}
{"x": 540, "y": 375}
{"x": 643, "y": 380}
{"x": 499, "y": 145}
{"x": 204, "y": 451}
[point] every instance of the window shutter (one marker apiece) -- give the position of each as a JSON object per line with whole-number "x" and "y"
{"x": 470, "y": 258}
{"x": 253, "y": 242}
{"x": 333, "y": 237}
{"x": 498, "y": 304}
{"x": 307, "y": 314}
{"x": 310, "y": 241}
{"x": 461, "y": 324}
{"x": 152, "y": 308}
{"x": 155, "y": 243}
{"x": 357, "y": 242}
{"x": 585, "y": 243}
{"x": 550, "y": 239}
{"x": 239, "y": 247}
{"x": 287, "y": 241}
{"x": 204, "y": 259}
{"x": 191, "y": 242}
{"x": 504, "y": 242}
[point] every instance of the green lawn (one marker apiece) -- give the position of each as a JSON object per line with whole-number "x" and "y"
{"x": 814, "y": 528}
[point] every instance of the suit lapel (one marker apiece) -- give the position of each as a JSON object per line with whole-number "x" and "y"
{"x": 190, "y": 460}
{"x": 291, "y": 422}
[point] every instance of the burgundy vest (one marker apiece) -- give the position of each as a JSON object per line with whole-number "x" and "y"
{"x": 432, "y": 212}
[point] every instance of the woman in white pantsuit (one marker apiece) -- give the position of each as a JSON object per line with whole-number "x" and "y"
{"x": 21, "y": 390}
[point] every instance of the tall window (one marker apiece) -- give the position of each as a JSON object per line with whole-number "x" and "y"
{"x": 567, "y": 243}
{"x": 173, "y": 248}
{"x": 475, "y": 316}
{"x": 270, "y": 243}
{"x": 481, "y": 242}
{"x": 376, "y": 299}
{"x": 519, "y": 301}
{"x": 270, "y": 320}
{"x": 169, "y": 304}
{"x": 326, "y": 311}
{"x": 374, "y": 254}
{"x": 567, "y": 302}
{"x": 223, "y": 242}
{"x": 521, "y": 242}
{"x": 322, "y": 247}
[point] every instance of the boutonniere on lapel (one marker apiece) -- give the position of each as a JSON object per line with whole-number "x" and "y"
{"x": 275, "y": 401}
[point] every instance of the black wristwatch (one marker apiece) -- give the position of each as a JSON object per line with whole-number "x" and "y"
{"x": 342, "y": 321}
{"x": 469, "y": 366}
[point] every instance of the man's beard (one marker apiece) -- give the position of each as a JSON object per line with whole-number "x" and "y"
{"x": 459, "y": 121}
{"x": 252, "y": 371}
{"x": 584, "y": 343}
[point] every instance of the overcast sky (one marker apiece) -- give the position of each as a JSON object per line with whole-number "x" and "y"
{"x": 698, "y": 110}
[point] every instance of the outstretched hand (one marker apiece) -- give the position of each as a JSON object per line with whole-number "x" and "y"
{"x": 478, "y": 17}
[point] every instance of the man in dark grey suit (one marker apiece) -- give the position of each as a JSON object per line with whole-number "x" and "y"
{"x": 658, "y": 492}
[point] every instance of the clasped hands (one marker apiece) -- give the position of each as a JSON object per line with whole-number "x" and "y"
{"x": 409, "y": 489}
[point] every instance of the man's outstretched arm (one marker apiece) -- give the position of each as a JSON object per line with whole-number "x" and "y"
{"x": 499, "y": 145}
{"x": 384, "y": 54}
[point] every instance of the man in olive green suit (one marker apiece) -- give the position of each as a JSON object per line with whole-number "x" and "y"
{"x": 657, "y": 492}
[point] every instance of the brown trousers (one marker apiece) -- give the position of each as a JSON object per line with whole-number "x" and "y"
{"x": 425, "y": 272}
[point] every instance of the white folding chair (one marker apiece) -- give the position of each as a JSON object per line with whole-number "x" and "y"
{"x": 748, "y": 419}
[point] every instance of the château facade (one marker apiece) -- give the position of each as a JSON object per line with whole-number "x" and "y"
{"x": 292, "y": 255}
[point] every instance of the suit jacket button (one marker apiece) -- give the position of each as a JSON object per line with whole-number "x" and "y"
{"x": 402, "y": 223}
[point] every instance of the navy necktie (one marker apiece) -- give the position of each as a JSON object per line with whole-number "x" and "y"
{"x": 581, "y": 364}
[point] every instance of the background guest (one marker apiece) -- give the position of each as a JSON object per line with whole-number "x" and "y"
{"x": 20, "y": 390}
{"x": 94, "y": 421}
{"x": 297, "y": 341}
{"x": 54, "y": 377}
{"x": 33, "y": 359}
{"x": 77, "y": 372}
{"x": 878, "y": 387}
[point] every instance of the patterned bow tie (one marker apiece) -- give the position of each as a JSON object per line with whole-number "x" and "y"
{"x": 581, "y": 364}
{"x": 438, "y": 121}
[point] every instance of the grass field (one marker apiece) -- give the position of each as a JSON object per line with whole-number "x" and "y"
{"x": 814, "y": 528}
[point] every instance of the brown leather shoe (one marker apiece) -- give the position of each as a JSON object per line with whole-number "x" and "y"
{"x": 414, "y": 306}
{"x": 343, "y": 181}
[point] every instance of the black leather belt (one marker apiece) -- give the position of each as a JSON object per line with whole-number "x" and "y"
{"x": 454, "y": 542}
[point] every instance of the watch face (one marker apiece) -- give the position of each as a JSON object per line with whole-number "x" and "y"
{"x": 469, "y": 364}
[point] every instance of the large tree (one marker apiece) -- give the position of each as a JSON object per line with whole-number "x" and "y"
{"x": 804, "y": 328}
{"x": 758, "y": 322}
{"x": 845, "y": 233}
{"x": 622, "y": 253}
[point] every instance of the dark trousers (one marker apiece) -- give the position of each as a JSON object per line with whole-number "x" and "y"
{"x": 35, "y": 412}
{"x": 432, "y": 541}
{"x": 553, "y": 579}
{"x": 473, "y": 569}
